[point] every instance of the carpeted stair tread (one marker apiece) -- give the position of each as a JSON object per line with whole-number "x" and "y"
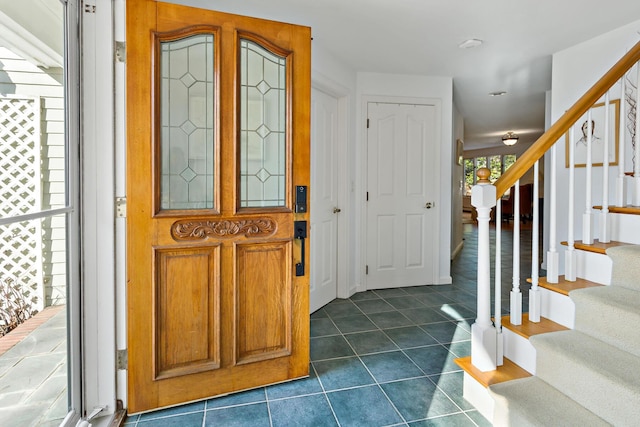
{"x": 533, "y": 402}
{"x": 626, "y": 266}
{"x": 598, "y": 376}
{"x": 610, "y": 314}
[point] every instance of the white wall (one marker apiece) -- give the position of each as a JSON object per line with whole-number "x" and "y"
{"x": 575, "y": 70}
{"x": 418, "y": 87}
{"x": 331, "y": 76}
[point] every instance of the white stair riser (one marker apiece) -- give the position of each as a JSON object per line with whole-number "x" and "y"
{"x": 478, "y": 395}
{"x": 519, "y": 350}
{"x": 593, "y": 267}
{"x": 557, "y": 307}
{"x": 625, "y": 228}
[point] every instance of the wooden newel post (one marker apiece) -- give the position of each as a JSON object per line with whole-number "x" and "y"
{"x": 483, "y": 334}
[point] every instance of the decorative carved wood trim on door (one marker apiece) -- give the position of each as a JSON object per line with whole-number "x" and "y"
{"x": 202, "y": 229}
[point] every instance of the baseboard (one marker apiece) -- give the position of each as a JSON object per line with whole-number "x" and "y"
{"x": 444, "y": 280}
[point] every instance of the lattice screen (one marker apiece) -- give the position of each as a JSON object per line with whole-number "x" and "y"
{"x": 20, "y": 188}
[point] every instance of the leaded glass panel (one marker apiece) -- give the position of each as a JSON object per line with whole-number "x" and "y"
{"x": 187, "y": 123}
{"x": 262, "y": 127}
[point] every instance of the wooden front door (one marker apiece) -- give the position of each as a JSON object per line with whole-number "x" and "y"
{"x": 217, "y": 141}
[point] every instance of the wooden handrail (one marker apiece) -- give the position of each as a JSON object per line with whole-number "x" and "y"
{"x": 559, "y": 128}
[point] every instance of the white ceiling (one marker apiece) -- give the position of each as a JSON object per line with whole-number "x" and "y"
{"x": 422, "y": 37}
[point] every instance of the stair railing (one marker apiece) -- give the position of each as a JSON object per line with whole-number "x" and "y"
{"x": 486, "y": 334}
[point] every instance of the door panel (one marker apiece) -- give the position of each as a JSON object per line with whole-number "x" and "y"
{"x": 324, "y": 199}
{"x": 187, "y": 310}
{"x": 216, "y": 141}
{"x": 264, "y": 311}
{"x": 400, "y": 230}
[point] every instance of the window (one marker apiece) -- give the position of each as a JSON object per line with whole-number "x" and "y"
{"x": 496, "y": 164}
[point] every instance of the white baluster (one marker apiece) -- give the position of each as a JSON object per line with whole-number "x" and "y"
{"x": 516, "y": 295}
{"x": 587, "y": 216}
{"x": 498, "y": 287}
{"x": 620, "y": 181}
{"x": 552, "y": 254}
{"x": 604, "y": 212}
{"x": 636, "y": 157}
{"x": 483, "y": 333}
{"x": 570, "y": 254}
{"x": 534, "y": 293}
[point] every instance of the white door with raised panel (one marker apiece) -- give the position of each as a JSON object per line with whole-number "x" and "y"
{"x": 324, "y": 199}
{"x": 401, "y": 185}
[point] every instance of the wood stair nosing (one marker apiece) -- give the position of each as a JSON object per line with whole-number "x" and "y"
{"x": 565, "y": 286}
{"x": 507, "y": 372}
{"x": 596, "y": 247}
{"x": 629, "y": 210}
{"x": 529, "y": 328}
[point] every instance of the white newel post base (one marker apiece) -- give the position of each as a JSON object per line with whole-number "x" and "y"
{"x": 534, "y": 305}
{"x": 483, "y": 347}
{"x": 636, "y": 191}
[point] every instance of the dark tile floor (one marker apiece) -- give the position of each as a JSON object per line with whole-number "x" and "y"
{"x": 379, "y": 358}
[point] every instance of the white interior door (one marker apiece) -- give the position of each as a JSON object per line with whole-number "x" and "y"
{"x": 324, "y": 199}
{"x": 401, "y": 189}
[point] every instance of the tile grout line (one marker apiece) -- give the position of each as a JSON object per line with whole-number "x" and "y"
{"x": 377, "y": 383}
{"x": 324, "y": 391}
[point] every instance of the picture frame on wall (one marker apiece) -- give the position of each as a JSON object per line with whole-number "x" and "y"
{"x": 597, "y": 136}
{"x": 460, "y": 152}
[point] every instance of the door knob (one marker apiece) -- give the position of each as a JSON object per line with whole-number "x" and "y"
{"x": 336, "y": 210}
{"x": 428, "y": 205}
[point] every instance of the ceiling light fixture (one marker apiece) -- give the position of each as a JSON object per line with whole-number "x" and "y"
{"x": 469, "y": 44}
{"x": 498, "y": 93}
{"x": 509, "y": 138}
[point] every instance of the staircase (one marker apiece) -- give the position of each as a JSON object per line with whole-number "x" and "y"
{"x": 589, "y": 375}
{"x": 572, "y": 357}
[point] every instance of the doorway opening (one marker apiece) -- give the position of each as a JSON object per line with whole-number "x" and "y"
{"x": 36, "y": 216}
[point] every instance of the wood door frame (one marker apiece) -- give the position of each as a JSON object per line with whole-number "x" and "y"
{"x": 345, "y": 287}
{"x": 364, "y": 169}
